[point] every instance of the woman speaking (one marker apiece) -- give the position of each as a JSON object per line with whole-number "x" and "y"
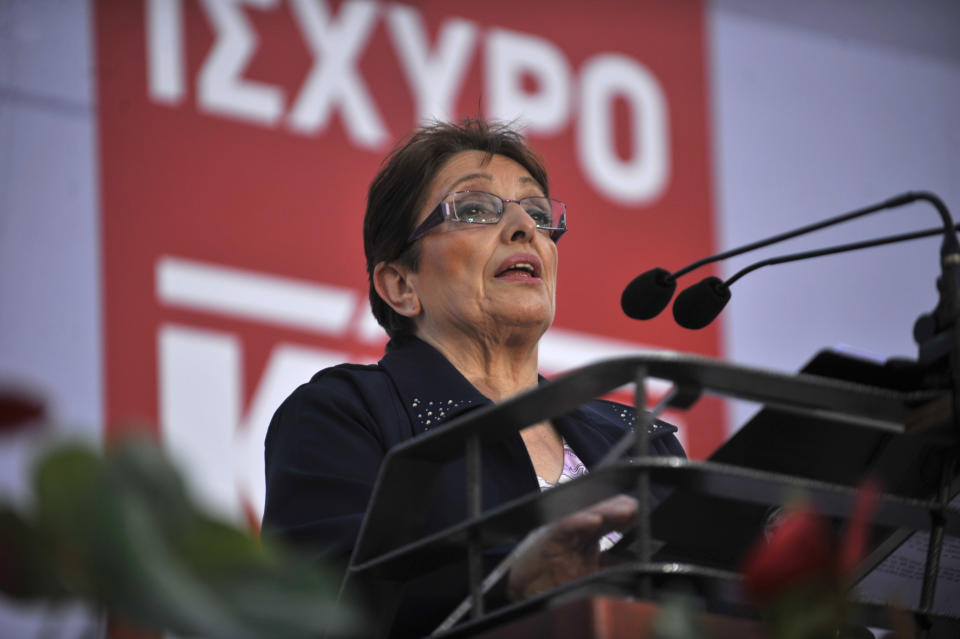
{"x": 460, "y": 237}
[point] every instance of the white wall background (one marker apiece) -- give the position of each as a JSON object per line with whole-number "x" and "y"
{"x": 818, "y": 107}
{"x": 49, "y": 242}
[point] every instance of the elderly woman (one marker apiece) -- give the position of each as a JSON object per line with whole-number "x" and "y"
{"x": 460, "y": 237}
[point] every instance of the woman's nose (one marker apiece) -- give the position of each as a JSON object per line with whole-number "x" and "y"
{"x": 517, "y": 223}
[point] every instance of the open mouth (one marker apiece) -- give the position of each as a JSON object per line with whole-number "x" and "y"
{"x": 520, "y": 267}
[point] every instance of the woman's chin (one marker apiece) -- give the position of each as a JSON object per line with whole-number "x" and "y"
{"x": 527, "y": 319}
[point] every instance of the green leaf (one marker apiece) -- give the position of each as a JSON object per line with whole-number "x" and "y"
{"x": 27, "y": 571}
{"x": 122, "y": 533}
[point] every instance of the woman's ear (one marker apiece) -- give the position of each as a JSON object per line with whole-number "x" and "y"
{"x": 393, "y": 285}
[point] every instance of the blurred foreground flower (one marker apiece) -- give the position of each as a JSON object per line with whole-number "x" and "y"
{"x": 799, "y": 575}
{"x": 119, "y": 531}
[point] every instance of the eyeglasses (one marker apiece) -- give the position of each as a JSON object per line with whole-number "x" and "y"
{"x": 480, "y": 207}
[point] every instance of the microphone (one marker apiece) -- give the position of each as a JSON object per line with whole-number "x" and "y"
{"x": 649, "y": 293}
{"x": 700, "y": 304}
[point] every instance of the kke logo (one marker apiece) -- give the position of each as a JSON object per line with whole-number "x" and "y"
{"x": 200, "y": 370}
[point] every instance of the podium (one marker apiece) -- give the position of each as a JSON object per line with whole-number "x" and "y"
{"x": 903, "y": 431}
{"x": 611, "y": 618}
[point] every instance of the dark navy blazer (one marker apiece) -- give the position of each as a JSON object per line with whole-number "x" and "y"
{"x": 325, "y": 444}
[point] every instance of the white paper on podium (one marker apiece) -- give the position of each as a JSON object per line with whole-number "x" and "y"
{"x": 899, "y": 578}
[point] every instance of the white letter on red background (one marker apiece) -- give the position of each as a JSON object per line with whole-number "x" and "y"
{"x": 220, "y": 85}
{"x": 165, "y": 50}
{"x": 434, "y": 79}
{"x": 644, "y": 176}
{"x": 219, "y": 450}
{"x": 333, "y": 80}
{"x": 511, "y": 55}
{"x": 201, "y": 370}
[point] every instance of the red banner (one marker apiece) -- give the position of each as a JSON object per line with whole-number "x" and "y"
{"x": 237, "y": 140}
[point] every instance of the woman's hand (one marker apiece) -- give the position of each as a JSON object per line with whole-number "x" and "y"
{"x": 570, "y": 548}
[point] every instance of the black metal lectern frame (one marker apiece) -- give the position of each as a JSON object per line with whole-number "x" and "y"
{"x": 392, "y": 548}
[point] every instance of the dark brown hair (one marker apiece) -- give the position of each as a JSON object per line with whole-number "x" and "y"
{"x": 398, "y": 192}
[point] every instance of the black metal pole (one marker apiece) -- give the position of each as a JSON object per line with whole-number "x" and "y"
{"x": 935, "y": 544}
{"x": 950, "y": 291}
{"x": 641, "y": 449}
{"x": 474, "y": 508}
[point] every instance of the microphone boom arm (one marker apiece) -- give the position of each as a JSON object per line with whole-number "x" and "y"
{"x": 839, "y": 248}
{"x": 898, "y": 200}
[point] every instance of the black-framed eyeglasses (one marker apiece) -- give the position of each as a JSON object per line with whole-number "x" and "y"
{"x": 480, "y": 207}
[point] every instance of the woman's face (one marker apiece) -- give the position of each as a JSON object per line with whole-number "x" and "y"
{"x": 465, "y": 282}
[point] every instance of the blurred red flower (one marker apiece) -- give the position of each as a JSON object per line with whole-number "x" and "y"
{"x": 19, "y": 410}
{"x": 801, "y": 549}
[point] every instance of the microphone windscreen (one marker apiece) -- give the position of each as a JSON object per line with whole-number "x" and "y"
{"x": 648, "y": 294}
{"x": 698, "y": 305}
